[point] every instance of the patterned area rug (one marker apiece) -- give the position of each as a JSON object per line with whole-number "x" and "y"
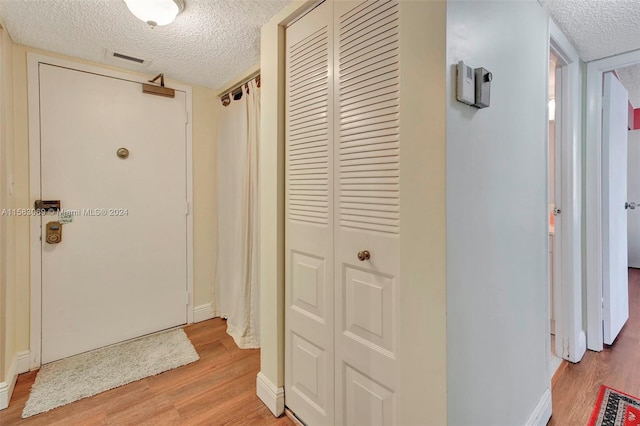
{"x": 80, "y": 376}
{"x": 614, "y": 408}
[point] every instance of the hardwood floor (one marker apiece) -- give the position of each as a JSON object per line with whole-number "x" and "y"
{"x": 617, "y": 366}
{"x": 219, "y": 389}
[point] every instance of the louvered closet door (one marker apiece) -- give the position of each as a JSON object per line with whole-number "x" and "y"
{"x": 367, "y": 210}
{"x": 309, "y": 316}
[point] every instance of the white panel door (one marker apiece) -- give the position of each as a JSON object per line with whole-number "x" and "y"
{"x": 309, "y": 295}
{"x": 120, "y": 270}
{"x": 367, "y": 231}
{"x": 615, "y": 286}
{"x": 633, "y": 195}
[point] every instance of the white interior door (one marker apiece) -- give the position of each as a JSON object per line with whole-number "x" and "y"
{"x": 367, "y": 211}
{"x": 120, "y": 270}
{"x": 633, "y": 195}
{"x": 343, "y": 214}
{"x": 309, "y": 295}
{"x": 615, "y": 289}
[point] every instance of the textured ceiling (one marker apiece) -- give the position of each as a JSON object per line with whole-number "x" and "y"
{"x": 208, "y": 44}
{"x": 630, "y": 78}
{"x": 598, "y": 28}
{"x": 602, "y": 28}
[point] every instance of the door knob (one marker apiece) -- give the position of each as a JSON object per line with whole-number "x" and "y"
{"x": 364, "y": 255}
{"x": 122, "y": 153}
{"x": 630, "y": 205}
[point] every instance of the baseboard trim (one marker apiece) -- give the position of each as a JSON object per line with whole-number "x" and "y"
{"x": 202, "y": 312}
{"x": 23, "y": 362}
{"x": 6, "y": 387}
{"x": 4, "y": 395}
{"x": 582, "y": 346}
{"x": 542, "y": 413}
{"x": 271, "y": 395}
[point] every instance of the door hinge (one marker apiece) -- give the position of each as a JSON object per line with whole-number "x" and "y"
{"x": 188, "y": 209}
{"x": 188, "y": 295}
{"x": 186, "y": 116}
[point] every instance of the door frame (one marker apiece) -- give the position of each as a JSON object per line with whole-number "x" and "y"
{"x": 568, "y": 293}
{"x": 593, "y": 186}
{"x": 33, "y": 84}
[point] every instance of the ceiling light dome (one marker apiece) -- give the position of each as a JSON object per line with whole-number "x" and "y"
{"x": 155, "y": 12}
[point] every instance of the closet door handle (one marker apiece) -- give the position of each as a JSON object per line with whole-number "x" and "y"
{"x": 364, "y": 255}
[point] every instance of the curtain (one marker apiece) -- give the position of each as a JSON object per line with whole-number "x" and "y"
{"x": 236, "y": 286}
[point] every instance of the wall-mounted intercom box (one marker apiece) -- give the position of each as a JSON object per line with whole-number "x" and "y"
{"x": 473, "y": 85}
{"x": 466, "y": 84}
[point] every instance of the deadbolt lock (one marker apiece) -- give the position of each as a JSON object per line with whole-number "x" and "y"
{"x": 54, "y": 232}
{"x": 47, "y": 205}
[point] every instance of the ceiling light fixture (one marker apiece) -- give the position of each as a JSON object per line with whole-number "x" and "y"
{"x": 155, "y": 12}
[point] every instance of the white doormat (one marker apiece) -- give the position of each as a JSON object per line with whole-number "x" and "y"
{"x": 91, "y": 373}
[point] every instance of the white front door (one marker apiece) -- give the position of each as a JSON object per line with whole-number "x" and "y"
{"x": 615, "y": 286}
{"x": 120, "y": 270}
{"x": 633, "y": 195}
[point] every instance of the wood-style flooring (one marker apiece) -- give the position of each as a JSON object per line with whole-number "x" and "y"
{"x": 618, "y": 366}
{"x": 219, "y": 389}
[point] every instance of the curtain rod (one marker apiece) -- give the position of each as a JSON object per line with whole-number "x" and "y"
{"x": 239, "y": 80}
{"x": 226, "y": 97}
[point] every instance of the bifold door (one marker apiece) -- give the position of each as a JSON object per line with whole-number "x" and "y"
{"x": 343, "y": 213}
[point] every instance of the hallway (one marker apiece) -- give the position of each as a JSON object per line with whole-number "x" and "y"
{"x": 617, "y": 366}
{"x": 218, "y": 389}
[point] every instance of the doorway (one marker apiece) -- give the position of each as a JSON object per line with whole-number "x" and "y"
{"x": 555, "y": 203}
{"x": 116, "y": 163}
{"x": 633, "y": 183}
{"x": 565, "y": 199}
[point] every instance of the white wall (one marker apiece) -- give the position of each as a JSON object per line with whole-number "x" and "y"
{"x": 497, "y": 290}
{"x": 633, "y": 194}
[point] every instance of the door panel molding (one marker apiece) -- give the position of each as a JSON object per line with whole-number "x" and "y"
{"x": 33, "y": 62}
